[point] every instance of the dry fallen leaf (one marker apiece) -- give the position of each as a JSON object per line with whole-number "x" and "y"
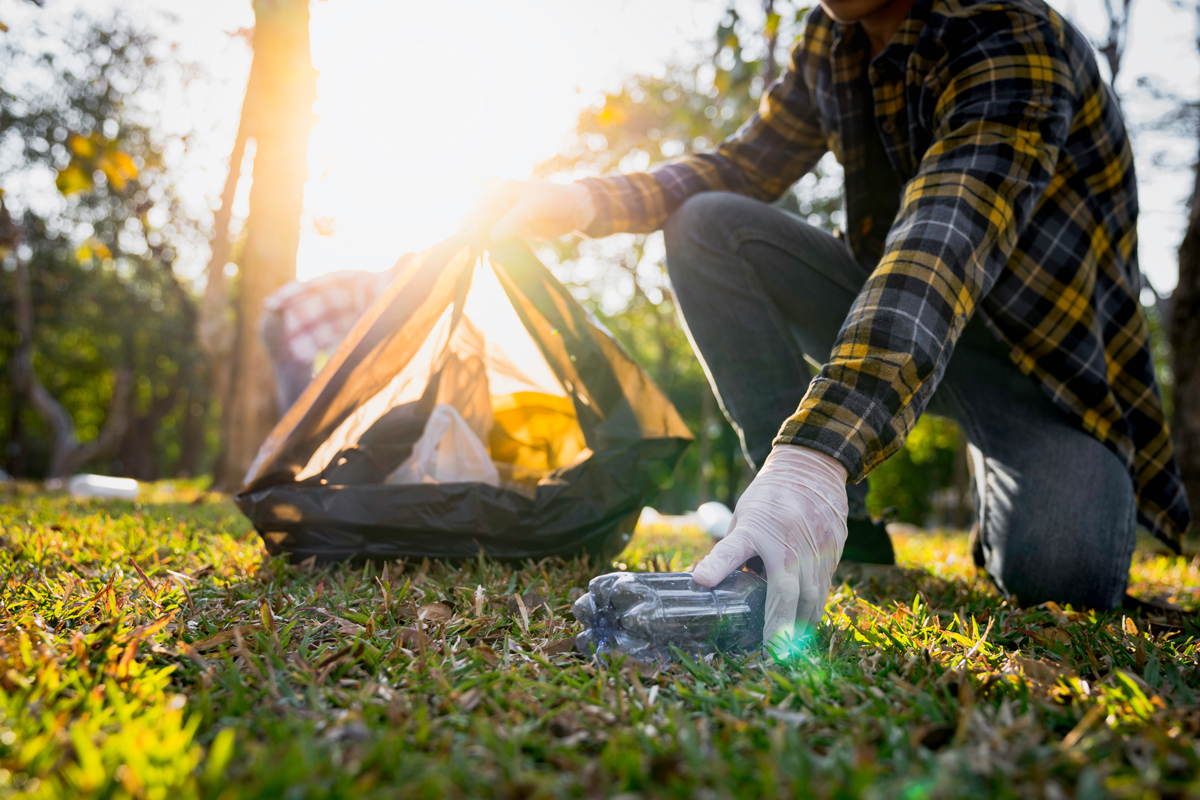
{"x": 334, "y": 658}
{"x": 599, "y": 714}
{"x": 559, "y": 646}
{"x": 1045, "y": 673}
{"x": 434, "y": 612}
{"x": 224, "y": 637}
{"x": 796, "y": 718}
{"x": 468, "y": 700}
{"x": 1059, "y": 613}
{"x": 532, "y": 600}
{"x": 1056, "y": 634}
{"x": 412, "y": 638}
{"x": 520, "y": 601}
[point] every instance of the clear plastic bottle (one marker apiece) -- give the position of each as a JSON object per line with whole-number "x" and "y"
{"x": 644, "y": 614}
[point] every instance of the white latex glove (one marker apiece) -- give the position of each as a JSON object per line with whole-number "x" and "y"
{"x": 793, "y": 516}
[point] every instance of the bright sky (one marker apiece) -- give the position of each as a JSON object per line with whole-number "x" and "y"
{"x": 424, "y": 104}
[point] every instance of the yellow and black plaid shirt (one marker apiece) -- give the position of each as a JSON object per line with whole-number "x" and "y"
{"x": 1018, "y": 201}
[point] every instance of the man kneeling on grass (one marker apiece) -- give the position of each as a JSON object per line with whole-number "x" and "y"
{"x": 989, "y": 273}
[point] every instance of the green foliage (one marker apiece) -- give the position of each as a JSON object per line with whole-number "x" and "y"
{"x": 152, "y": 651}
{"x": 101, "y": 253}
{"x": 907, "y": 482}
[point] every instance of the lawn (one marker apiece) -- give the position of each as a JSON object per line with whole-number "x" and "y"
{"x": 151, "y": 650}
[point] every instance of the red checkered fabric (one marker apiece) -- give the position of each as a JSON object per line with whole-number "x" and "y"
{"x": 317, "y": 314}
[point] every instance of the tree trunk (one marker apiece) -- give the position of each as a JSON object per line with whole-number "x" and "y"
{"x": 15, "y": 450}
{"x": 191, "y": 446}
{"x": 278, "y": 116}
{"x": 139, "y": 451}
{"x": 1183, "y": 331}
{"x": 215, "y": 331}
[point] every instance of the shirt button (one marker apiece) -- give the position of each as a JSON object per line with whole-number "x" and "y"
{"x": 888, "y": 127}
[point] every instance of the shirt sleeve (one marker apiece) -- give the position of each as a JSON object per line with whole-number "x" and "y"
{"x": 999, "y": 122}
{"x": 774, "y": 149}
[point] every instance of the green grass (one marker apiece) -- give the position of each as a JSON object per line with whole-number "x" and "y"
{"x": 221, "y": 674}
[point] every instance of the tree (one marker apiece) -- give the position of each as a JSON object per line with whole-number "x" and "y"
{"x": 98, "y": 329}
{"x": 1112, "y": 47}
{"x": 1183, "y": 332}
{"x": 277, "y": 118}
{"x": 277, "y": 115}
{"x": 68, "y": 454}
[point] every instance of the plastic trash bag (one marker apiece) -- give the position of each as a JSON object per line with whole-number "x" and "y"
{"x": 451, "y": 448}
{"x": 447, "y": 452}
{"x": 579, "y": 436}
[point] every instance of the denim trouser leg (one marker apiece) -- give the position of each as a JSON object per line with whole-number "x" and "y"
{"x": 758, "y": 289}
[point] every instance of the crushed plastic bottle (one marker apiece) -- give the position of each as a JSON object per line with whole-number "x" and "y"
{"x": 642, "y": 615}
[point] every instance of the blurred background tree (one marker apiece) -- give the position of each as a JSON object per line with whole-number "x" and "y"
{"x": 1183, "y": 319}
{"x": 98, "y": 255}
{"x": 95, "y": 262}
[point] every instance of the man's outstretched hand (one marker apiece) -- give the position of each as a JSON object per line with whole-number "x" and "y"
{"x": 531, "y": 210}
{"x": 793, "y": 516}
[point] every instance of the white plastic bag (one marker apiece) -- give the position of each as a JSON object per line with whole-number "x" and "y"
{"x": 447, "y": 452}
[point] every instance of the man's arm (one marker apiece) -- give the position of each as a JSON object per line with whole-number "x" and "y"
{"x": 774, "y": 149}
{"x": 1000, "y": 122}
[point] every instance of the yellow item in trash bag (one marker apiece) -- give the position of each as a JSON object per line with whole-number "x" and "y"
{"x": 535, "y": 432}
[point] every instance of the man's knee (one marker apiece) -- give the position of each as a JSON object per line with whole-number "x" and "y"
{"x": 705, "y": 222}
{"x": 1071, "y": 544}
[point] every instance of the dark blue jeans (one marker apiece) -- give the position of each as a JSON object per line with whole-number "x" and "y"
{"x": 759, "y": 288}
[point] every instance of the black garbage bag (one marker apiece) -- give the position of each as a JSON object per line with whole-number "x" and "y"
{"x": 475, "y": 406}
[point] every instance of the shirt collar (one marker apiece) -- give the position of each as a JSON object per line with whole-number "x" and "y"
{"x": 895, "y": 55}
